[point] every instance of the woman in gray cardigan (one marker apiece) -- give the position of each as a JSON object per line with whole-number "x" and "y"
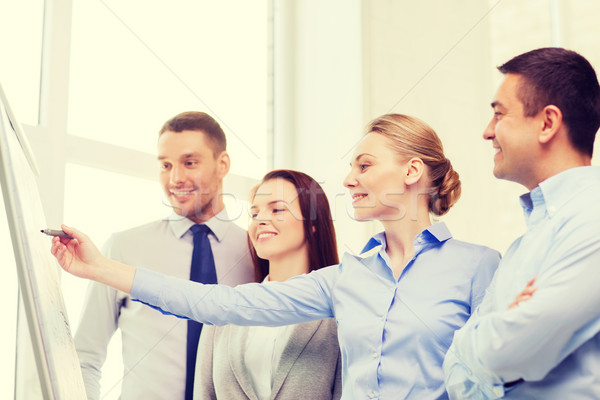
{"x": 291, "y": 230}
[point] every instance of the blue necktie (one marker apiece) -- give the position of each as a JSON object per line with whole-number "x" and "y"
{"x": 203, "y": 270}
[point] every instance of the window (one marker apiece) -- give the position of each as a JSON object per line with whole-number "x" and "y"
{"x": 131, "y": 71}
{"x": 21, "y": 24}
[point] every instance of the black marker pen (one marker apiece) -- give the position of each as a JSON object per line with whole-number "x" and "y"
{"x": 56, "y": 232}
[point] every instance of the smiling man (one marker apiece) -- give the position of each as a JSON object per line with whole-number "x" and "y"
{"x": 157, "y": 362}
{"x": 536, "y": 334}
{"x": 193, "y": 162}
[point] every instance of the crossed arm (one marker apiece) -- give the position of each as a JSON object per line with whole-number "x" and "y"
{"x": 525, "y": 294}
{"x": 534, "y": 333}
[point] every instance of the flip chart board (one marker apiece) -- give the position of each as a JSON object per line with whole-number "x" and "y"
{"x": 39, "y": 284}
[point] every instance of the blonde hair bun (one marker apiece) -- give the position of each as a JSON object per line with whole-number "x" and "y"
{"x": 411, "y": 137}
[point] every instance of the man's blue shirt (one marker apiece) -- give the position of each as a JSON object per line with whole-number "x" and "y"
{"x": 548, "y": 347}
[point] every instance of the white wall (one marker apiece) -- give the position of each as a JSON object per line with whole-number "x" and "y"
{"x": 436, "y": 60}
{"x": 318, "y": 105}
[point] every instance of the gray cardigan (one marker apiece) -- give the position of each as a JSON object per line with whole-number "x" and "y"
{"x": 309, "y": 368}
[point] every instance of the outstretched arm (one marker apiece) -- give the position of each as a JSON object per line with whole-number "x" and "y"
{"x": 300, "y": 299}
{"x": 80, "y": 257}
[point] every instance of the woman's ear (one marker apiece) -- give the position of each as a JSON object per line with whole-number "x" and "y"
{"x": 414, "y": 171}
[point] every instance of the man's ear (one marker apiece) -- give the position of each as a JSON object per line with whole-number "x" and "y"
{"x": 414, "y": 171}
{"x": 224, "y": 163}
{"x": 551, "y": 120}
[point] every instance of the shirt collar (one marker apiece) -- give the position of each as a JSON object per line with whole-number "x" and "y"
{"x": 439, "y": 231}
{"x": 435, "y": 233}
{"x": 556, "y": 191}
{"x": 219, "y": 224}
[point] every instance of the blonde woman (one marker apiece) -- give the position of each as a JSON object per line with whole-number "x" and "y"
{"x": 396, "y": 308}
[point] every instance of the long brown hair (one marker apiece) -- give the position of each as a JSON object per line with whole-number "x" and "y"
{"x": 319, "y": 232}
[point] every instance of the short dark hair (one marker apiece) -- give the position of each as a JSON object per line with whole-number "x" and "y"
{"x": 318, "y": 225}
{"x": 553, "y": 75}
{"x": 198, "y": 121}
